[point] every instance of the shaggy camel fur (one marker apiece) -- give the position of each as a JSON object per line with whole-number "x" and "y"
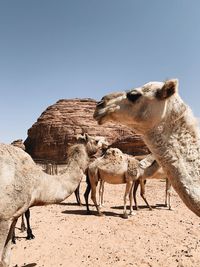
{"x": 169, "y": 129}
{"x": 23, "y": 184}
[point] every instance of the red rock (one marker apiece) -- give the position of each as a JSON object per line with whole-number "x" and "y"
{"x": 58, "y": 125}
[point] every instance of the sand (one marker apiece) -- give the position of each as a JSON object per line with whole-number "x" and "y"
{"x": 66, "y": 236}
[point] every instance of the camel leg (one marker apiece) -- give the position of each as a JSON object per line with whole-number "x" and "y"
{"x": 29, "y": 230}
{"x": 168, "y": 194}
{"x": 93, "y": 197}
{"x": 136, "y": 184}
{"x": 94, "y": 178}
{"x": 23, "y": 227}
{"x": 131, "y": 199}
{"x": 142, "y": 193}
{"x": 101, "y": 192}
{"x": 129, "y": 184}
{"x": 86, "y": 194}
{"x": 77, "y": 194}
{"x": 14, "y": 236}
{"x": 7, "y": 245}
{"x": 4, "y": 229}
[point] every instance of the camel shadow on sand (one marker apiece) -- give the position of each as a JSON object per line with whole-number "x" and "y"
{"x": 142, "y": 207}
{"x": 94, "y": 213}
{"x": 28, "y": 265}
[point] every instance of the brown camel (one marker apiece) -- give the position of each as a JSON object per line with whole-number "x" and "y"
{"x": 157, "y": 112}
{"x": 23, "y": 184}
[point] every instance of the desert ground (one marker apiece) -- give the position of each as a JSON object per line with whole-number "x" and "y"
{"x": 66, "y": 236}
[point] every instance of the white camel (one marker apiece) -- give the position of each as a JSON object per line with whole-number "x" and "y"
{"x": 23, "y": 184}
{"x": 169, "y": 129}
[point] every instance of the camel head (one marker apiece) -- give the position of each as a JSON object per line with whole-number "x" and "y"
{"x": 140, "y": 108}
{"x": 92, "y": 143}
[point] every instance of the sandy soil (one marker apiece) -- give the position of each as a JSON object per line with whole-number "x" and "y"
{"x": 66, "y": 236}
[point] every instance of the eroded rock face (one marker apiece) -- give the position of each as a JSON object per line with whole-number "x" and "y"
{"x": 58, "y": 125}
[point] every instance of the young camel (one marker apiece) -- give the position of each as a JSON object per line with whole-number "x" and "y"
{"x": 114, "y": 167}
{"x": 23, "y": 184}
{"x": 169, "y": 129}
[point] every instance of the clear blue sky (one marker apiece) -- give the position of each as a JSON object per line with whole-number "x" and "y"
{"x": 87, "y": 48}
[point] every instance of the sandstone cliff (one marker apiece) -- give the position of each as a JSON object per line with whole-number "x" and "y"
{"x": 57, "y": 126}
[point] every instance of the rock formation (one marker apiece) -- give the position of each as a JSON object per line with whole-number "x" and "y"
{"x": 58, "y": 124}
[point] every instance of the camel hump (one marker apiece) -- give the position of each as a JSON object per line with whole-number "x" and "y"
{"x": 113, "y": 161}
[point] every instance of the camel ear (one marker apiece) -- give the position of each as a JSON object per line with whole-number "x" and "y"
{"x": 169, "y": 88}
{"x": 80, "y": 137}
{"x": 86, "y": 137}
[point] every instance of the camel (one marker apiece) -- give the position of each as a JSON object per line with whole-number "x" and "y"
{"x": 168, "y": 127}
{"x": 115, "y": 167}
{"x": 102, "y": 144}
{"x": 19, "y": 143}
{"x": 147, "y": 169}
{"x": 159, "y": 174}
{"x": 23, "y": 184}
{"x": 151, "y": 171}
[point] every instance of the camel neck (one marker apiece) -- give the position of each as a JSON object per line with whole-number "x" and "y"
{"x": 176, "y": 146}
{"x": 55, "y": 188}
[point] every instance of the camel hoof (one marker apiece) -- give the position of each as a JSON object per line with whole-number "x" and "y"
{"x": 125, "y": 216}
{"x": 30, "y": 237}
{"x": 132, "y": 214}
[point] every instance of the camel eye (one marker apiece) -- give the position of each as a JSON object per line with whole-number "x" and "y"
{"x": 133, "y": 95}
{"x": 101, "y": 104}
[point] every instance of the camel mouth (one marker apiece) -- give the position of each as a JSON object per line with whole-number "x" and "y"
{"x": 109, "y": 104}
{"x": 99, "y": 114}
